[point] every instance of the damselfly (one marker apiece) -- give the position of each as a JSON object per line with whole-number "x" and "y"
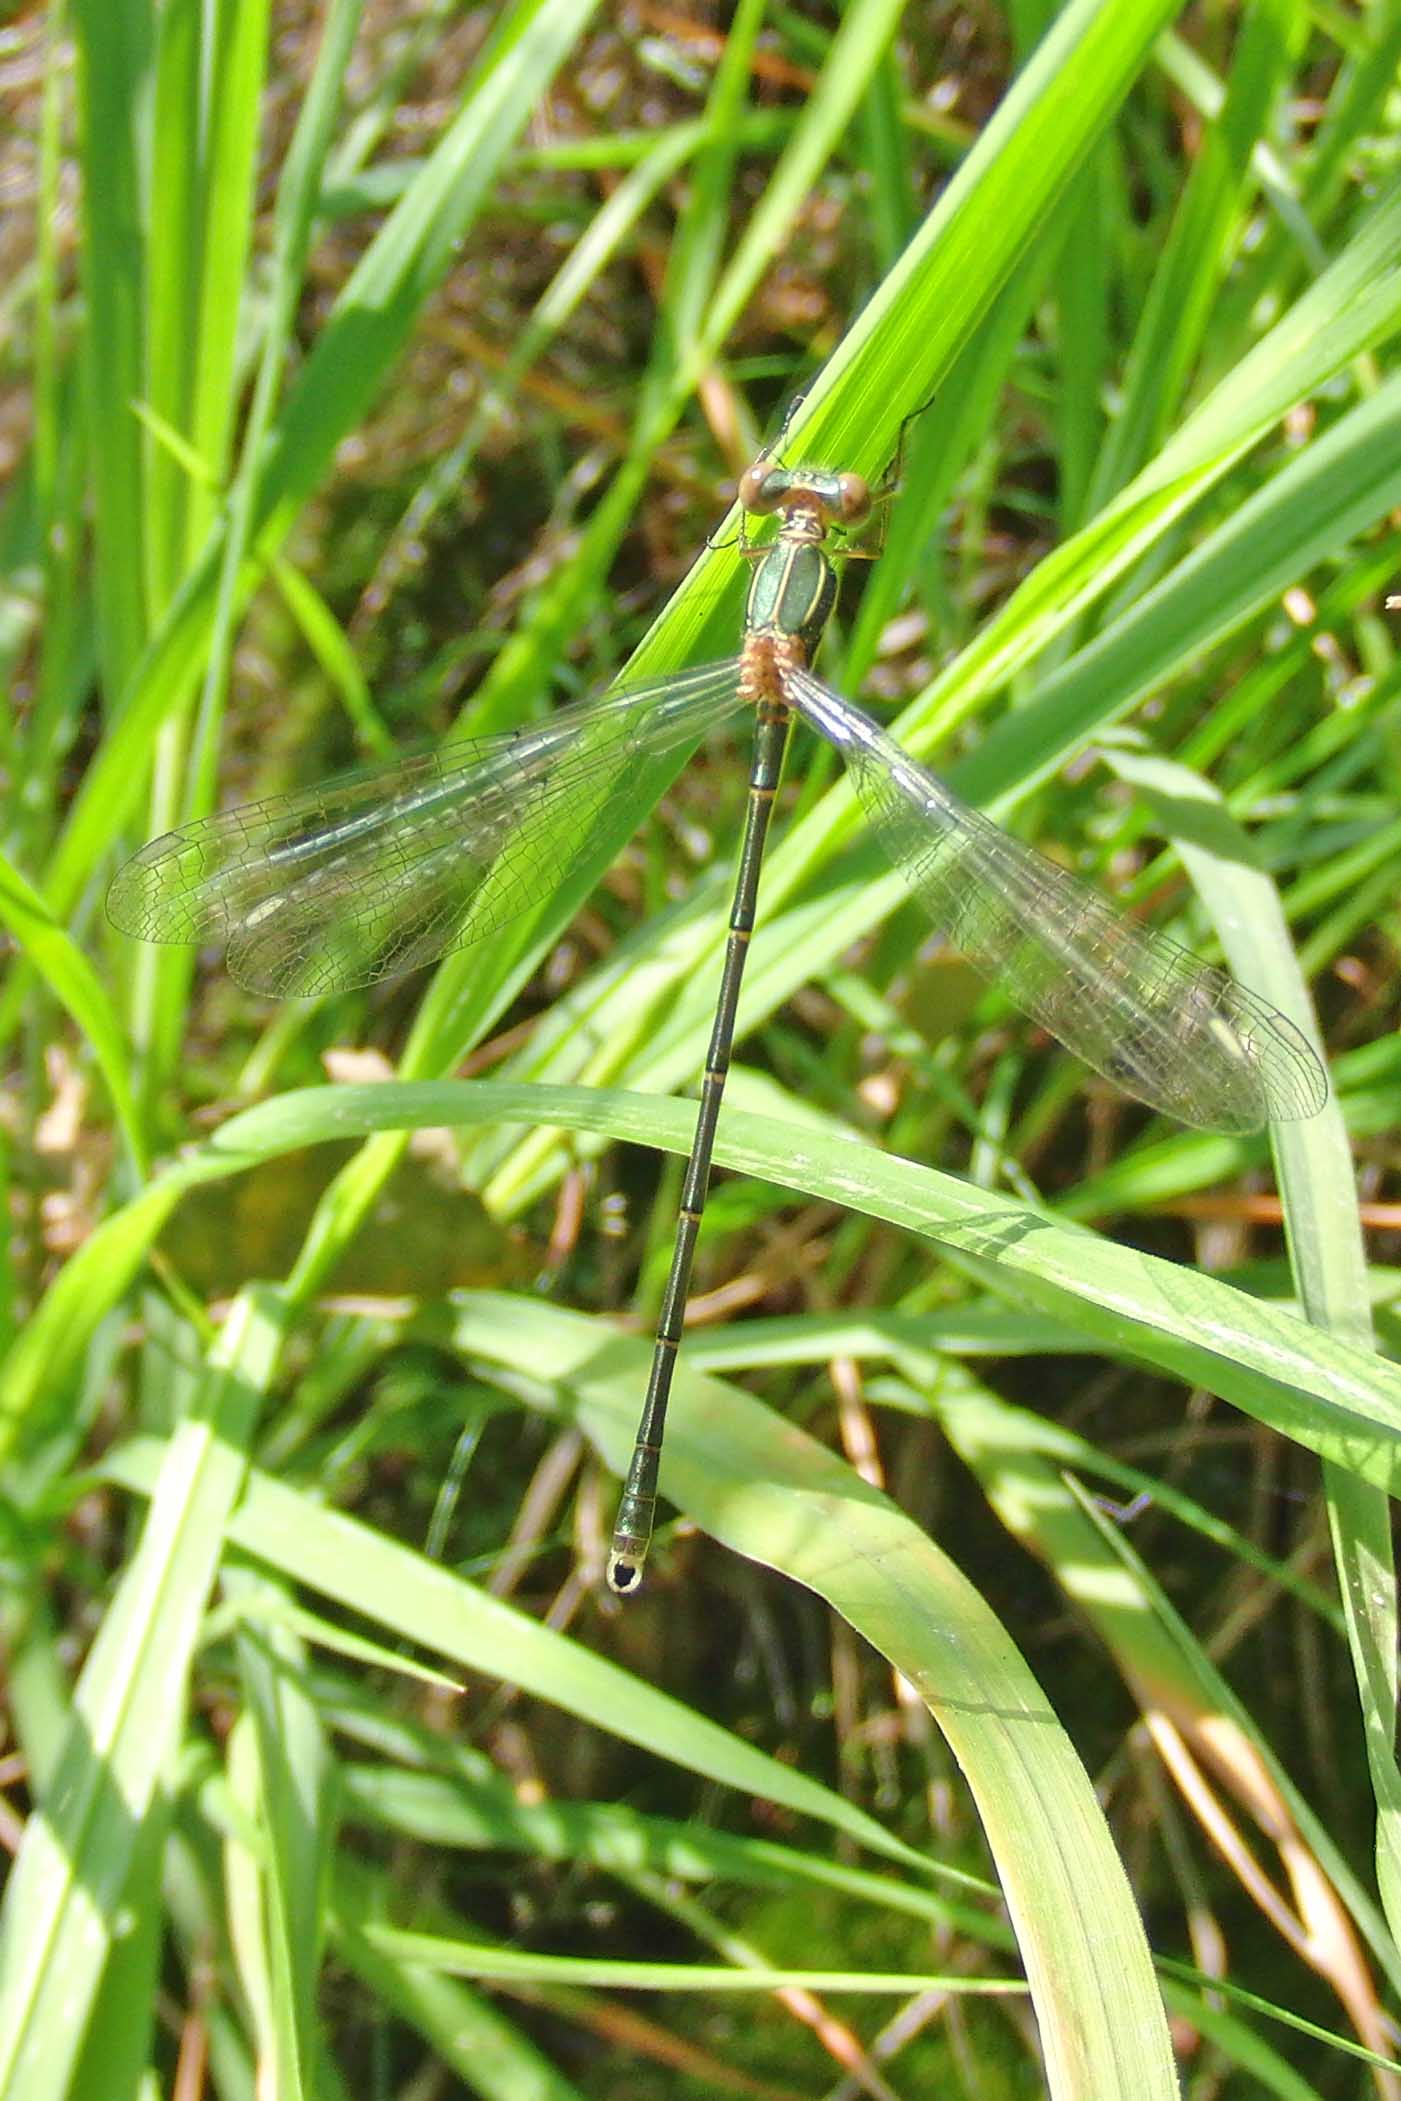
{"x": 317, "y": 892}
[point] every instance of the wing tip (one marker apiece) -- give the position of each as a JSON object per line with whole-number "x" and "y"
{"x": 131, "y": 896}
{"x": 1293, "y": 1077}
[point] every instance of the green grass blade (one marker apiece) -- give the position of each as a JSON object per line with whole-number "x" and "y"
{"x": 389, "y": 1584}
{"x": 1176, "y": 313}
{"x": 467, "y": 2031}
{"x": 114, "y": 48}
{"x": 294, "y": 1781}
{"x": 1332, "y": 1397}
{"x": 61, "y": 1901}
{"x": 776, "y": 1495}
{"x": 896, "y": 1589}
{"x": 352, "y": 359}
{"x": 75, "y": 984}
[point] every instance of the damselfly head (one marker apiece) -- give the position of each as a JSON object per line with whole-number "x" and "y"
{"x": 831, "y": 499}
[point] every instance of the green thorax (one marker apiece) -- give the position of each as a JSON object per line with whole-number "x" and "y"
{"x": 792, "y": 592}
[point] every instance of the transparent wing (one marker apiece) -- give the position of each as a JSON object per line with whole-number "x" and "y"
{"x": 1146, "y": 1013}
{"x": 385, "y": 870}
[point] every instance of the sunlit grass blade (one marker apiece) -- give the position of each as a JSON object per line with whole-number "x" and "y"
{"x": 62, "y": 1901}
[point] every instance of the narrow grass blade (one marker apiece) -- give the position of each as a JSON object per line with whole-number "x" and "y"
{"x": 62, "y": 1899}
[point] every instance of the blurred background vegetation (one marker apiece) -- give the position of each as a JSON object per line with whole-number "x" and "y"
{"x": 374, "y": 373}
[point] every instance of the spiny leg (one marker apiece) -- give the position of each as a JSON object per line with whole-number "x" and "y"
{"x": 871, "y": 550}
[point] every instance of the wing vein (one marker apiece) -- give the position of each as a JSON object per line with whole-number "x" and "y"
{"x": 1149, "y": 1015}
{"x": 390, "y": 869}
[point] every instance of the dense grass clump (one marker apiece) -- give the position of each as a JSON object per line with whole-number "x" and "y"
{"x": 372, "y": 376}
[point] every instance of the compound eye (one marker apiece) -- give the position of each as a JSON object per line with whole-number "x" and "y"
{"x": 854, "y": 498}
{"x": 760, "y": 487}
